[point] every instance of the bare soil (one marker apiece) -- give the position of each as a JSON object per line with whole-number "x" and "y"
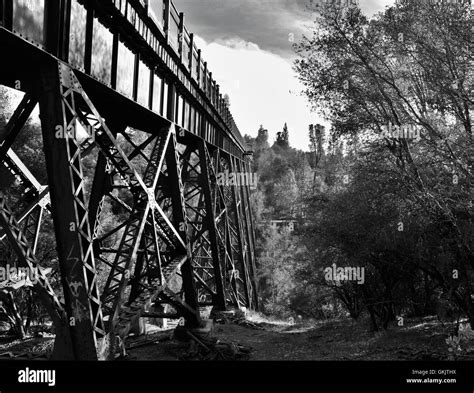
{"x": 265, "y": 339}
{"x": 328, "y": 340}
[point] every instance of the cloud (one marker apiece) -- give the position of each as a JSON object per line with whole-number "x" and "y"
{"x": 370, "y": 7}
{"x": 265, "y": 22}
{"x": 262, "y": 87}
{"x": 246, "y": 44}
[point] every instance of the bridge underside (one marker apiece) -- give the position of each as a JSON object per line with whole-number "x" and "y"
{"x": 141, "y": 223}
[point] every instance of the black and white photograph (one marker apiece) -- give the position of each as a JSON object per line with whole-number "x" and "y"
{"x": 236, "y": 192}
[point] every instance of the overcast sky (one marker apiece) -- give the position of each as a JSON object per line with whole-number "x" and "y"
{"x": 247, "y": 47}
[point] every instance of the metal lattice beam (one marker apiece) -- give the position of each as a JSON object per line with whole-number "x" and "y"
{"x": 153, "y": 213}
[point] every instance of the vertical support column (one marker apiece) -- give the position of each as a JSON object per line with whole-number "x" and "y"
{"x": 113, "y": 72}
{"x": 179, "y": 213}
{"x": 166, "y": 19}
{"x": 237, "y": 206}
{"x": 191, "y": 53}
{"x": 199, "y": 70}
{"x": 181, "y": 36}
{"x": 219, "y": 301}
{"x": 230, "y": 255}
{"x": 89, "y": 34}
{"x": 214, "y": 92}
{"x": 180, "y": 221}
{"x": 66, "y": 29}
{"x": 231, "y": 222}
{"x": 247, "y": 213}
{"x": 210, "y": 90}
{"x": 250, "y": 234}
{"x": 181, "y": 121}
{"x": 162, "y": 97}
{"x": 70, "y": 217}
{"x": 171, "y": 110}
{"x": 52, "y": 26}
{"x": 204, "y": 83}
{"x": 151, "y": 88}
{"x": 136, "y": 70}
{"x": 224, "y": 230}
{"x": 6, "y": 17}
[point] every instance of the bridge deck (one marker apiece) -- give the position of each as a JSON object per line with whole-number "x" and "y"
{"x": 141, "y": 45}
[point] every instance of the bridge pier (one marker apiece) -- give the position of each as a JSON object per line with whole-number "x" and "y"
{"x": 70, "y": 214}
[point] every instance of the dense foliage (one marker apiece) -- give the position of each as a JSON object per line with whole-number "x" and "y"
{"x": 399, "y": 205}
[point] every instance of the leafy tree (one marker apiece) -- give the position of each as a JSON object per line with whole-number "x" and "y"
{"x": 261, "y": 142}
{"x": 283, "y": 138}
{"x": 316, "y": 138}
{"x": 275, "y": 270}
{"x": 285, "y": 194}
{"x": 410, "y": 65}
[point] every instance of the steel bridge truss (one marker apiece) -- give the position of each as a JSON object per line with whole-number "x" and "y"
{"x": 173, "y": 219}
{"x": 133, "y": 202}
{"x": 140, "y": 217}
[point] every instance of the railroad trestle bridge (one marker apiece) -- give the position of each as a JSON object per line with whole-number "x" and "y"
{"x": 134, "y": 133}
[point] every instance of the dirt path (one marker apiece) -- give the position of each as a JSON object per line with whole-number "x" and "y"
{"x": 330, "y": 340}
{"x": 277, "y": 340}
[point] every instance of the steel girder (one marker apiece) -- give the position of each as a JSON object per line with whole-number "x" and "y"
{"x": 18, "y": 240}
{"x": 201, "y": 211}
{"x": 66, "y": 180}
{"x": 246, "y": 232}
{"x": 221, "y": 236}
{"x": 238, "y": 262}
{"x": 153, "y": 211}
{"x": 15, "y": 124}
{"x": 146, "y": 220}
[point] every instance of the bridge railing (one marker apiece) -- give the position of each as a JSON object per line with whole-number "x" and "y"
{"x": 139, "y": 48}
